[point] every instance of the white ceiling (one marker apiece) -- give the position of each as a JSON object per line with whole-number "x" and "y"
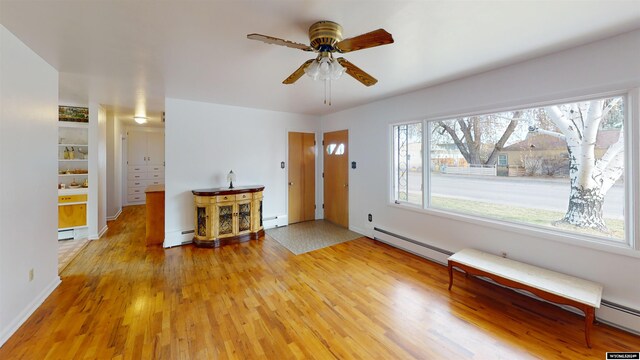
{"x": 128, "y": 53}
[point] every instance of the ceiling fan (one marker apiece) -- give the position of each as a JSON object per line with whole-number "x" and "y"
{"x": 326, "y": 39}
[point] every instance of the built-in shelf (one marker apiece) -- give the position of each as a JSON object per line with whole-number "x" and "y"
{"x": 62, "y": 160}
{"x": 73, "y": 145}
{"x": 73, "y": 174}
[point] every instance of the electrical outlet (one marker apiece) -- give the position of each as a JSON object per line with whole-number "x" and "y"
{"x": 31, "y": 275}
{"x": 370, "y": 217}
{"x": 503, "y": 254}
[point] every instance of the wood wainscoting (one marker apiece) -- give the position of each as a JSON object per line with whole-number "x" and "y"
{"x": 356, "y": 300}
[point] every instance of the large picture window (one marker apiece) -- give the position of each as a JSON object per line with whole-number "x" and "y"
{"x": 559, "y": 167}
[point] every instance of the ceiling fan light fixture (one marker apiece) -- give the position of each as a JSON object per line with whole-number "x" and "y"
{"x": 325, "y": 68}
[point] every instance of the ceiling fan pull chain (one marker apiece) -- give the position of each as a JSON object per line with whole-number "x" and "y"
{"x": 325, "y": 92}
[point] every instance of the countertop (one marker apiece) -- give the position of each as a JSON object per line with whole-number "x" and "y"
{"x": 154, "y": 188}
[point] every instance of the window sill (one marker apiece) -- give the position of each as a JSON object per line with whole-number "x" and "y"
{"x": 582, "y": 241}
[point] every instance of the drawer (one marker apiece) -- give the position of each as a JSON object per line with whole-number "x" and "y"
{"x": 257, "y": 195}
{"x": 136, "y": 190}
{"x": 72, "y": 198}
{"x": 155, "y": 175}
{"x": 136, "y": 176}
{"x": 245, "y": 196}
{"x": 154, "y": 182}
{"x": 137, "y": 168}
{"x": 222, "y": 198}
{"x": 134, "y": 183}
{"x": 136, "y": 198}
{"x": 156, "y": 168}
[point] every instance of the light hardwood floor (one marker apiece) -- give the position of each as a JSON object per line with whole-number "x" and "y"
{"x": 360, "y": 299}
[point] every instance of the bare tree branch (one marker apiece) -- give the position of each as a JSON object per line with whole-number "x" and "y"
{"x": 456, "y": 139}
{"x": 547, "y": 132}
{"x": 503, "y": 139}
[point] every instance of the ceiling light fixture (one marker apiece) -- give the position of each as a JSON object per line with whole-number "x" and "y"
{"x": 326, "y": 68}
{"x": 140, "y": 119}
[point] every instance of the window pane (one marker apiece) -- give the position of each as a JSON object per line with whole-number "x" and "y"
{"x": 559, "y": 167}
{"x": 407, "y": 163}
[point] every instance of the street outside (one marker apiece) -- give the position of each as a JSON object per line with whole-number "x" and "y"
{"x": 531, "y": 192}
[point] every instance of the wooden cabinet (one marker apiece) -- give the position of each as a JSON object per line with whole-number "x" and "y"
{"x": 155, "y": 214}
{"x": 224, "y": 216}
{"x": 72, "y": 213}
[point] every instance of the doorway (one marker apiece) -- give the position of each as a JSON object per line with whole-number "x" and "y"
{"x": 336, "y": 177}
{"x": 302, "y": 175}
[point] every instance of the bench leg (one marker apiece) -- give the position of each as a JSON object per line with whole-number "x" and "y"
{"x": 589, "y": 314}
{"x": 450, "y": 275}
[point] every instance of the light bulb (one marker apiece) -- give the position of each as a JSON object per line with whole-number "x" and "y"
{"x": 325, "y": 68}
{"x": 140, "y": 119}
{"x": 312, "y": 70}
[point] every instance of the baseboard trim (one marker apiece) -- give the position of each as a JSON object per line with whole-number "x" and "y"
{"x": 28, "y": 311}
{"x": 114, "y": 217}
{"x": 104, "y": 230}
{"x": 610, "y": 313}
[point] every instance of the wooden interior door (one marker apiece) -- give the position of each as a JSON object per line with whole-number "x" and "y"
{"x": 336, "y": 177}
{"x": 302, "y": 177}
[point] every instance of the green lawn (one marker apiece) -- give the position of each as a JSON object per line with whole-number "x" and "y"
{"x": 522, "y": 215}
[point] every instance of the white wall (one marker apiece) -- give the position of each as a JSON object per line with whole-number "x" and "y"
{"x": 608, "y": 65}
{"x": 102, "y": 170}
{"x": 114, "y": 166}
{"x": 97, "y": 193}
{"x": 204, "y": 141}
{"x": 28, "y": 193}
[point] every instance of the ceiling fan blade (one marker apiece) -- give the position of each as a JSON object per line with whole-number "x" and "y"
{"x": 365, "y": 41}
{"x": 298, "y": 73}
{"x": 357, "y": 73}
{"x": 277, "y": 41}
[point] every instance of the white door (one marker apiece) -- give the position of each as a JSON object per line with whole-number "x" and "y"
{"x": 137, "y": 148}
{"x": 155, "y": 148}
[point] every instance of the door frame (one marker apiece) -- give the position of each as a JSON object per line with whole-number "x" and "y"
{"x": 286, "y": 171}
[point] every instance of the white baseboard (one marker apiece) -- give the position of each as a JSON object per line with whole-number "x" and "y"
{"x": 275, "y": 221}
{"x": 614, "y": 317}
{"x": 114, "y": 217}
{"x": 28, "y": 310}
{"x": 358, "y": 230}
{"x": 98, "y": 235}
{"x": 177, "y": 238}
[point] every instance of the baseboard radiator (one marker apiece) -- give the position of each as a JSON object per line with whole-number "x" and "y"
{"x": 625, "y": 317}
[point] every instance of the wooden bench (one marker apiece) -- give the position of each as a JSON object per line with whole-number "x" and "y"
{"x": 546, "y": 284}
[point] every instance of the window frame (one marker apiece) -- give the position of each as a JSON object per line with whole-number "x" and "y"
{"x": 393, "y": 169}
{"x": 630, "y": 245}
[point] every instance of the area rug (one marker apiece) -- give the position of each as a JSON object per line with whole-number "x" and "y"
{"x": 68, "y": 250}
{"x": 310, "y": 235}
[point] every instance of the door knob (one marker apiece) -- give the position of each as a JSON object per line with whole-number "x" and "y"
{"x": 290, "y": 183}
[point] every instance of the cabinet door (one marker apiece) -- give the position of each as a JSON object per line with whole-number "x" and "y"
{"x": 137, "y": 148}
{"x": 203, "y": 230}
{"x": 72, "y": 215}
{"x": 225, "y": 220}
{"x": 155, "y": 148}
{"x": 244, "y": 217}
